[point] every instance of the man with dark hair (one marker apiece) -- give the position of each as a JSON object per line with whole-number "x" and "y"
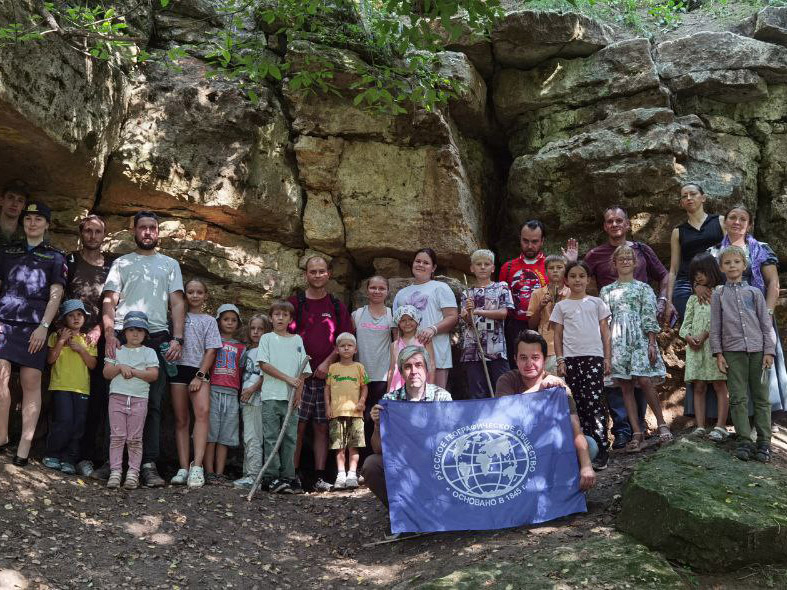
{"x": 524, "y": 274}
{"x": 12, "y": 202}
{"x": 147, "y": 280}
{"x": 88, "y": 268}
{"x": 648, "y": 269}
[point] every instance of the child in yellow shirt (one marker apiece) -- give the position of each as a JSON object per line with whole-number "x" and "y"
{"x": 345, "y": 399}
{"x": 72, "y": 356}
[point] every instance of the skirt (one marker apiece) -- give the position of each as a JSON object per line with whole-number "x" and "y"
{"x": 14, "y": 342}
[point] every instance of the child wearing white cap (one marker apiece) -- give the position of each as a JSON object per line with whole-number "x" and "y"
{"x": 225, "y": 383}
{"x": 72, "y": 357}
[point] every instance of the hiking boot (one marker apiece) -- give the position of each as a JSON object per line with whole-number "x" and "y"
{"x": 351, "y": 482}
{"x": 85, "y": 468}
{"x": 102, "y": 473}
{"x": 196, "y": 477}
{"x": 322, "y": 486}
{"x": 601, "y": 460}
{"x": 132, "y": 481}
{"x": 113, "y": 481}
{"x": 763, "y": 454}
{"x": 68, "y": 469}
{"x": 180, "y": 478}
{"x": 341, "y": 481}
{"x": 244, "y": 483}
{"x": 51, "y": 463}
{"x": 150, "y": 477}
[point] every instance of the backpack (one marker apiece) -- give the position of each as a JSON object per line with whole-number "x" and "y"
{"x": 302, "y": 302}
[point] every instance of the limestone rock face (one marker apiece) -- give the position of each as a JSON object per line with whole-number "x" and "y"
{"x": 696, "y": 504}
{"x": 198, "y": 148}
{"x": 772, "y": 25}
{"x": 725, "y": 66}
{"x": 526, "y": 38}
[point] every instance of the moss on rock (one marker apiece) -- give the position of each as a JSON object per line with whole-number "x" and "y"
{"x": 697, "y": 504}
{"x": 602, "y": 562}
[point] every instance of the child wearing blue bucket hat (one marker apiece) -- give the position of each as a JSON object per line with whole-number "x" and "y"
{"x": 72, "y": 357}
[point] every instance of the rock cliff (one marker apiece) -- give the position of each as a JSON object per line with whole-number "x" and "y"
{"x": 558, "y": 117}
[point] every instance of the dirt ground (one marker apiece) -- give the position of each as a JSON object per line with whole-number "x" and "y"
{"x": 67, "y": 532}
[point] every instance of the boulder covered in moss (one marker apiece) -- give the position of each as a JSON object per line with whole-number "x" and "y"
{"x": 697, "y": 504}
{"x": 602, "y": 562}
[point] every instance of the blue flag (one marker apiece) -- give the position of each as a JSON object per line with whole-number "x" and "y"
{"x": 480, "y": 464}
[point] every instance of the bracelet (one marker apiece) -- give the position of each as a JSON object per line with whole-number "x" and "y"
{"x": 435, "y": 330}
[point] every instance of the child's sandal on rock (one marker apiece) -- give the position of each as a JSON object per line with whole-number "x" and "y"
{"x": 718, "y": 434}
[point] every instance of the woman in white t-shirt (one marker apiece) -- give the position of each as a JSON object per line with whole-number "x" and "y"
{"x": 438, "y": 307}
{"x": 582, "y": 349}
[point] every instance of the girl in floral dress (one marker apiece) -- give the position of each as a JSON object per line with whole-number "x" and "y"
{"x": 701, "y": 366}
{"x": 635, "y": 355}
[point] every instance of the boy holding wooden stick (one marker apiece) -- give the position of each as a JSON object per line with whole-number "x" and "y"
{"x": 485, "y": 305}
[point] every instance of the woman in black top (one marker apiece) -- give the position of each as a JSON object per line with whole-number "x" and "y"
{"x": 696, "y": 235}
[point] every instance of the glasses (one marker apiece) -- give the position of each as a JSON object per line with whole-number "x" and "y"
{"x": 625, "y": 259}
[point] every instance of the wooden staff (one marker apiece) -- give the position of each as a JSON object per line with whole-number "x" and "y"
{"x": 471, "y": 321}
{"x": 290, "y": 408}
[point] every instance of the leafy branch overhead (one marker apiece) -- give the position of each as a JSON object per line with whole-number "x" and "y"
{"x": 397, "y": 42}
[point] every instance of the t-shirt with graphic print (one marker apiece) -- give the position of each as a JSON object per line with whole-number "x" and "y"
{"x": 227, "y": 370}
{"x": 345, "y": 382}
{"x": 524, "y": 276}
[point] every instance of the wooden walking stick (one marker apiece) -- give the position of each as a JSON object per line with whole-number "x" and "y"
{"x": 290, "y": 408}
{"x": 471, "y": 321}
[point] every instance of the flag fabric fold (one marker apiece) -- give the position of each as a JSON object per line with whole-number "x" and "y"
{"x": 480, "y": 464}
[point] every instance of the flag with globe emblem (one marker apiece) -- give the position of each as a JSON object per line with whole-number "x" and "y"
{"x": 480, "y": 464}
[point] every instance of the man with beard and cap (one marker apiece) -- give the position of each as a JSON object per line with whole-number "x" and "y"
{"x": 88, "y": 268}
{"x": 151, "y": 282}
{"x": 12, "y": 201}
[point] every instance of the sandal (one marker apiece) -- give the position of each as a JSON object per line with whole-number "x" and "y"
{"x": 636, "y": 443}
{"x": 698, "y": 432}
{"x": 665, "y": 434}
{"x": 718, "y": 434}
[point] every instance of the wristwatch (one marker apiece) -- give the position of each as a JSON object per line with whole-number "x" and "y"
{"x": 178, "y": 340}
{"x": 204, "y": 376}
{"x": 44, "y": 324}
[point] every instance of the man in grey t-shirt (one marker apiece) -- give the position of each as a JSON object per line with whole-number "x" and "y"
{"x": 147, "y": 281}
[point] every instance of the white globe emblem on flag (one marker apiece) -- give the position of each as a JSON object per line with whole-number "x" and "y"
{"x": 484, "y": 461}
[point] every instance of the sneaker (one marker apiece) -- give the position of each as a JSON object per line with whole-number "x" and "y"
{"x": 180, "y": 478}
{"x": 68, "y": 469}
{"x": 132, "y": 481}
{"x": 150, "y": 477}
{"x": 763, "y": 454}
{"x": 85, "y": 468}
{"x": 196, "y": 477}
{"x": 52, "y": 463}
{"x": 244, "y": 483}
{"x": 19, "y": 461}
{"x": 113, "y": 481}
{"x": 295, "y": 486}
{"x": 277, "y": 485}
{"x": 351, "y": 482}
{"x": 341, "y": 481}
{"x": 285, "y": 487}
{"x": 601, "y": 460}
{"x": 322, "y": 486}
{"x": 102, "y": 473}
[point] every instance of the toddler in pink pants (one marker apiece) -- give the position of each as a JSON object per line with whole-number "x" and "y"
{"x": 133, "y": 369}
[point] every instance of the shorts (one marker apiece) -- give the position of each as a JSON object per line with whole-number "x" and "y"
{"x": 346, "y": 432}
{"x": 313, "y": 401}
{"x": 185, "y": 375}
{"x": 224, "y": 418}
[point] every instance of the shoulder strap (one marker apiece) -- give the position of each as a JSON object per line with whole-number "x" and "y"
{"x": 336, "y": 307}
{"x": 300, "y": 299}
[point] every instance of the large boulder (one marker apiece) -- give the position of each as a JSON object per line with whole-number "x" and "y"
{"x": 60, "y": 116}
{"x": 525, "y": 38}
{"x": 697, "y": 504}
{"x": 724, "y": 66}
{"x": 605, "y": 560}
{"x": 198, "y": 148}
{"x": 772, "y": 25}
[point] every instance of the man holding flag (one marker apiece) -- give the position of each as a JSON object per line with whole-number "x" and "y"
{"x": 483, "y": 464}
